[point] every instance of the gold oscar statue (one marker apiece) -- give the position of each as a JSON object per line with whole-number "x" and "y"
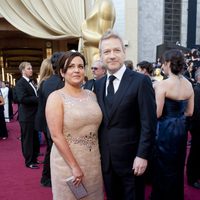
{"x": 99, "y": 20}
{"x": 157, "y": 74}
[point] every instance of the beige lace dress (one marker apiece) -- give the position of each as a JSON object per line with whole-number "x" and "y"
{"x": 82, "y": 118}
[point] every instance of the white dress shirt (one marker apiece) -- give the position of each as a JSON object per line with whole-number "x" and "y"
{"x": 118, "y": 78}
{"x": 28, "y": 80}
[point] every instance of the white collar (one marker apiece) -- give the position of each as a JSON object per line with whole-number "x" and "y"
{"x": 118, "y": 74}
{"x": 27, "y": 79}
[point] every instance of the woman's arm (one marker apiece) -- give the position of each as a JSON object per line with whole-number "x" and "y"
{"x": 55, "y": 118}
{"x": 190, "y": 106}
{"x": 160, "y": 97}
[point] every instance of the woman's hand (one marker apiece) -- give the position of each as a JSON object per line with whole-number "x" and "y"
{"x": 78, "y": 175}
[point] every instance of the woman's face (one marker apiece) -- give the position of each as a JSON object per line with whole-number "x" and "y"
{"x": 75, "y": 72}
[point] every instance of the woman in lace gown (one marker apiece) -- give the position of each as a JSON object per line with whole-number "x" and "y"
{"x": 73, "y": 117}
{"x": 175, "y": 101}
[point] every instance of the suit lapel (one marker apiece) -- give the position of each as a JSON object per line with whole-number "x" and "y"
{"x": 29, "y": 86}
{"x": 124, "y": 84}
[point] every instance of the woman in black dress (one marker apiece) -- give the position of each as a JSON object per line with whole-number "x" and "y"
{"x": 175, "y": 101}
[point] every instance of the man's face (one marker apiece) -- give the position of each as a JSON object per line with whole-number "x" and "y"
{"x": 98, "y": 71}
{"x": 27, "y": 71}
{"x": 112, "y": 54}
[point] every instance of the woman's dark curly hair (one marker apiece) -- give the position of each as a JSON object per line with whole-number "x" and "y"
{"x": 176, "y": 59}
{"x": 146, "y": 65}
{"x": 67, "y": 58}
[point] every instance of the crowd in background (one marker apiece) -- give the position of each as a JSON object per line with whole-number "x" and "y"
{"x": 50, "y": 81}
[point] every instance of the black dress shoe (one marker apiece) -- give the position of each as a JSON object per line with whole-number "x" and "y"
{"x": 19, "y": 138}
{"x": 32, "y": 166}
{"x": 38, "y": 162}
{"x": 46, "y": 183}
{"x": 196, "y": 185}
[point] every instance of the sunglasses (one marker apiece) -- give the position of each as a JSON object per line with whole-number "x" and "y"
{"x": 94, "y": 68}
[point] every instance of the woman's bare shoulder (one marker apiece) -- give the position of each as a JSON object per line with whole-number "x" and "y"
{"x": 159, "y": 84}
{"x": 90, "y": 93}
{"x": 55, "y": 96}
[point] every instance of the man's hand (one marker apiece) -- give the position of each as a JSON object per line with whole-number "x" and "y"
{"x": 139, "y": 166}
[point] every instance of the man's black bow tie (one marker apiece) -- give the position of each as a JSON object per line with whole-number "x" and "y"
{"x": 32, "y": 82}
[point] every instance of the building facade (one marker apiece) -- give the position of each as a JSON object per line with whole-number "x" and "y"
{"x": 148, "y": 24}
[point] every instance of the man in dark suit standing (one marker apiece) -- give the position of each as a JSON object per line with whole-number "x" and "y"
{"x": 98, "y": 71}
{"x": 128, "y": 127}
{"x": 53, "y": 83}
{"x": 28, "y": 102}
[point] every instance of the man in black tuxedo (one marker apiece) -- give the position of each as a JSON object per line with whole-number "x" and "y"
{"x": 128, "y": 127}
{"x": 28, "y": 102}
{"x": 98, "y": 71}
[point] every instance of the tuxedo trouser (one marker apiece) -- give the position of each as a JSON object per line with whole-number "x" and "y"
{"x": 46, "y": 172}
{"x": 30, "y": 142}
{"x": 123, "y": 187}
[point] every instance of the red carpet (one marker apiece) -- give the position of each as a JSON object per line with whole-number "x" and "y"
{"x": 16, "y": 181}
{"x": 20, "y": 183}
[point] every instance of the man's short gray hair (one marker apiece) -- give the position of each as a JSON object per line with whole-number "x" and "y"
{"x": 23, "y": 65}
{"x": 110, "y": 34}
{"x": 99, "y": 63}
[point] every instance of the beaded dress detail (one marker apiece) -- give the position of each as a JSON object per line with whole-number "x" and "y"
{"x": 82, "y": 117}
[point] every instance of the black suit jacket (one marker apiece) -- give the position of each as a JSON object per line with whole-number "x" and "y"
{"x": 51, "y": 84}
{"x": 89, "y": 85}
{"x": 128, "y": 130}
{"x": 196, "y": 113}
{"x": 27, "y": 99}
{"x": 40, "y": 114}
